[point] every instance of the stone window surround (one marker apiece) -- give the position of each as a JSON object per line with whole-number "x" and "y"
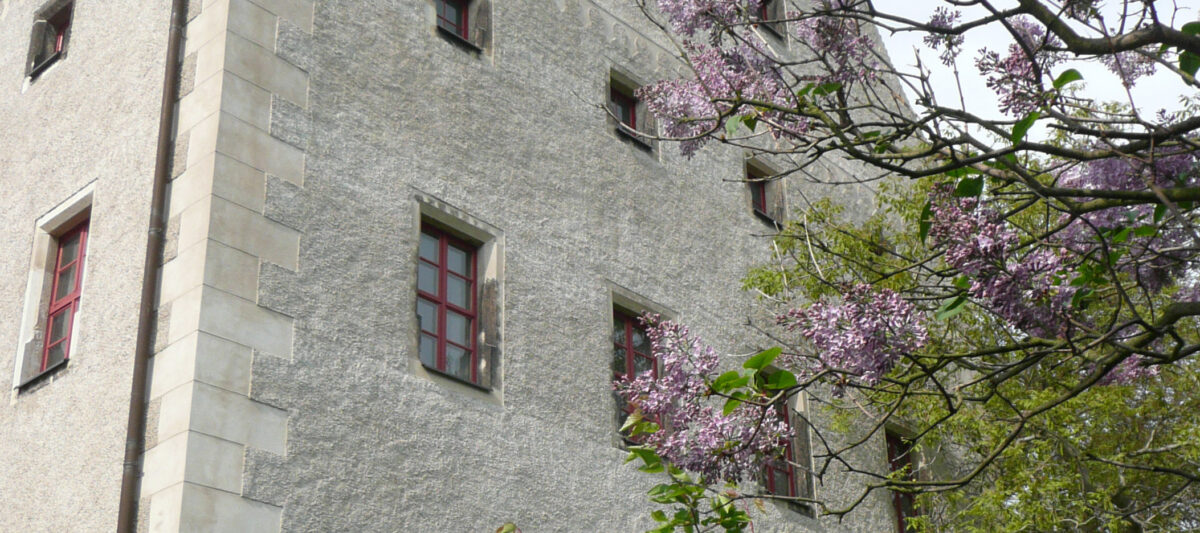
{"x": 64, "y": 216}
{"x": 49, "y": 17}
{"x": 626, "y": 302}
{"x": 622, "y": 82}
{"x": 798, "y": 412}
{"x": 489, "y": 260}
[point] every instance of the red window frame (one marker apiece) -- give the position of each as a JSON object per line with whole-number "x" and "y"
{"x": 625, "y": 355}
{"x": 67, "y": 304}
{"x": 624, "y": 107}
{"x": 899, "y": 454}
{"x": 444, "y": 307}
{"x": 758, "y": 196}
{"x": 61, "y": 21}
{"x": 457, "y": 27}
{"x": 797, "y": 479}
{"x": 764, "y": 9}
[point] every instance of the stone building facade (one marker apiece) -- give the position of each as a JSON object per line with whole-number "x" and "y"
{"x": 315, "y": 143}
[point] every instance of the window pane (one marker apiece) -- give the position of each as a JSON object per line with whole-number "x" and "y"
{"x": 457, "y": 260}
{"x": 427, "y": 278}
{"x": 780, "y": 483}
{"x": 458, "y": 328}
{"x": 59, "y": 324}
{"x": 619, "y": 361}
{"x": 458, "y": 291}
{"x": 66, "y": 282}
{"x": 427, "y": 315}
{"x": 70, "y": 250}
{"x": 618, "y": 335}
{"x": 429, "y": 247}
{"x": 641, "y": 341}
{"x": 57, "y": 353}
{"x": 429, "y": 351}
{"x": 458, "y": 362}
{"x": 642, "y": 364}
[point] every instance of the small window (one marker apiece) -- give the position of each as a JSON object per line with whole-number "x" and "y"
{"x": 791, "y": 474}
{"x": 770, "y": 14}
{"x": 48, "y": 42}
{"x": 447, "y": 305}
{"x": 65, "y": 291}
{"x": 900, "y": 459}
{"x": 766, "y": 193}
{"x": 466, "y": 21}
{"x": 632, "y": 120}
{"x": 632, "y": 355}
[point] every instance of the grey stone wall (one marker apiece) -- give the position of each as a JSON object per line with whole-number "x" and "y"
{"x": 89, "y": 120}
{"x": 513, "y": 137}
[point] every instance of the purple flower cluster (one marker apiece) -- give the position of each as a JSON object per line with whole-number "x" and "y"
{"x": 1016, "y": 77}
{"x": 1158, "y": 260}
{"x": 689, "y": 108}
{"x": 690, "y": 16}
{"x": 864, "y": 335}
{"x": 1130, "y": 65}
{"x": 839, "y": 41}
{"x": 1027, "y": 291}
{"x": 944, "y": 18}
{"x": 1129, "y": 371}
{"x": 695, "y": 435}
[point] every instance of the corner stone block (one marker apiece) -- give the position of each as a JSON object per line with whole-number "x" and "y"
{"x": 254, "y": 234}
{"x": 234, "y": 417}
{"x": 298, "y": 12}
{"x": 257, "y": 148}
{"x": 265, "y": 69}
{"x": 214, "y": 511}
{"x": 244, "y": 322}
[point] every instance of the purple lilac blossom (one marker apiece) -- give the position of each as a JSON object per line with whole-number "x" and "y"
{"x": 864, "y": 335}
{"x": 696, "y": 436}
{"x": 840, "y": 42}
{"x": 1130, "y": 65}
{"x": 1027, "y": 291}
{"x": 944, "y": 18}
{"x": 1016, "y": 77}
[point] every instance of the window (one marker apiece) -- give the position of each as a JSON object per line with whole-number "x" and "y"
{"x": 900, "y": 459}
{"x": 51, "y": 31}
{"x": 632, "y": 120}
{"x": 632, "y": 355}
{"x": 466, "y": 21}
{"x": 64, "y": 300}
{"x": 447, "y": 278}
{"x": 791, "y": 474}
{"x": 770, "y": 13}
{"x": 766, "y": 194}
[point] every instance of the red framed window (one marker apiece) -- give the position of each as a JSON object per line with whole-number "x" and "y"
{"x": 790, "y": 474}
{"x": 758, "y": 197}
{"x": 632, "y": 355}
{"x": 624, "y": 107}
{"x": 452, "y": 17}
{"x": 900, "y": 458}
{"x": 65, "y": 291}
{"x": 447, "y": 276}
{"x": 764, "y": 9}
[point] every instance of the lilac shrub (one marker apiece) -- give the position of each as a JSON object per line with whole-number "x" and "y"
{"x": 864, "y": 335}
{"x": 695, "y": 435}
{"x": 1015, "y": 78}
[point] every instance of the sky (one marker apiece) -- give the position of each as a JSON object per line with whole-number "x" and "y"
{"x": 1150, "y": 94}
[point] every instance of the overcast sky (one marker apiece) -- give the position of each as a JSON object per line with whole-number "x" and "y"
{"x": 1159, "y": 91}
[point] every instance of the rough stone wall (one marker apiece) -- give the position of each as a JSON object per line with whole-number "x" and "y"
{"x": 513, "y": 137}
{"x": 90, "y": 120}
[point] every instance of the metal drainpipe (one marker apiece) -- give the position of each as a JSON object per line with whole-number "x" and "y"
{"x": 155, "y": 235}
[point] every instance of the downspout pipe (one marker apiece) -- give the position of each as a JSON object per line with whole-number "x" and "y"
{"x": 155, "y": 237}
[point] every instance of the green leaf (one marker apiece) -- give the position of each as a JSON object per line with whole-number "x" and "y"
{"x": 962, "y": 172}
{"x": 507, "y": 528}
{"x": 729, "y": 381}
{"x": 763, "y": 358}
{"x": 1145, "y": 231}
{"x": 659, "y": 516}
{"x": 647, "y": 455}
{"x": 969, "y": 187}
{"x": 1191, "y": 28}
{"x": 827, "y": 88}
{"x": 805, "y": 90}
{"x": 730, "y": 405}
{"x": 633, "y": 419}
{"x": 951, "y": 308}
{"x": 1071, "y": 75}
{"x": 732, "y": 124}
{"x": 1159, "y": 212}
{"x": 1189, "y": 63}
{"x": 1022, "y": 127}
{"x": 962, "y": 282}
{"x": 781, "y": 379}
{"x": 926, "y": 221}
{"x": 751, "y": 123}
